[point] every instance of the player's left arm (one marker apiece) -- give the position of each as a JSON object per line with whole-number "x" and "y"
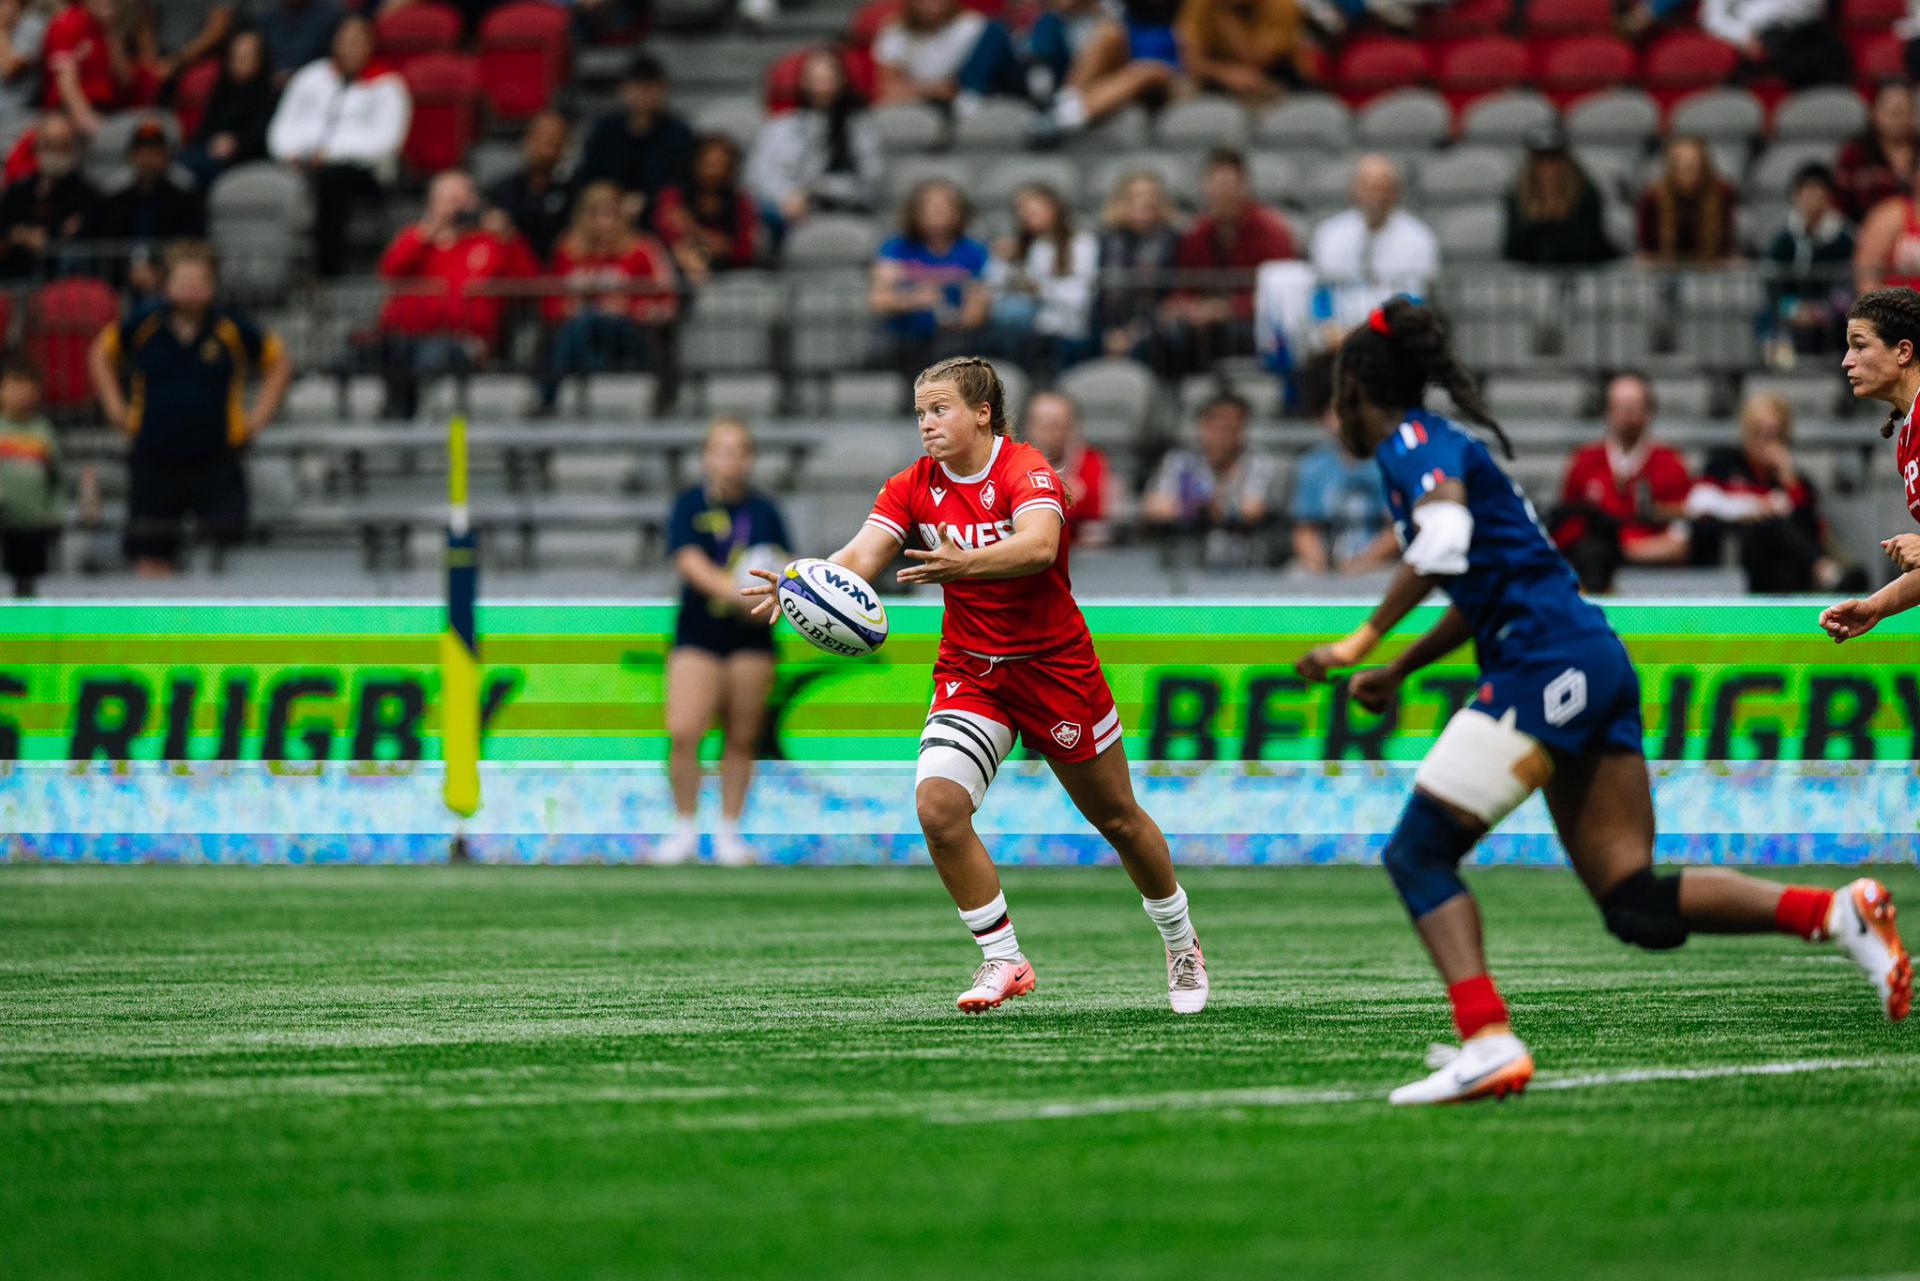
{"x": 1033, "y": 546}
{"x": 1851, "y": 618}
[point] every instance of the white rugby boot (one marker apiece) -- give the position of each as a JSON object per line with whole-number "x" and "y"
{"x": 995, "y": 983}
{"x": 1861, "y": 922}
{"x": 1187, "y": 985}
{"x": 1486, "y": 1067}
{"x": 682, "y": 845}
{"x": 730, "y": 851}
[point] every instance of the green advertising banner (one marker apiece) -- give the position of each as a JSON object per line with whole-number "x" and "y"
{"x": 585, "y": 682}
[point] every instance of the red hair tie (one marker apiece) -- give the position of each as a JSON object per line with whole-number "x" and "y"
{"x": 1378, "y": 322}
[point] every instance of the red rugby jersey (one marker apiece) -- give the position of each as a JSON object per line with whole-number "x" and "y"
{"x": 1006, "y": 616}
{"x": 1907, "y": 453}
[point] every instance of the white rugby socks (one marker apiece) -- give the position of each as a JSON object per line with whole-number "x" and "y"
{"x": 1170, "y": 914}
{"x": 993, "y": 929}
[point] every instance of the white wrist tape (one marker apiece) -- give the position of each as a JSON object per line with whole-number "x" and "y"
{"x": 1446, "y": 532}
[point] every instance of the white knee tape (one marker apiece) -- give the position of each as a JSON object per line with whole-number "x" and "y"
{"x": 965, "y": 748}
{"x": 1483, "y": 766}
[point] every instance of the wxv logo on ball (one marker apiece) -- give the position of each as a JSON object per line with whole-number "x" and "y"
{"x": 1066, "y": 733}
{"x": 851, "y": 588}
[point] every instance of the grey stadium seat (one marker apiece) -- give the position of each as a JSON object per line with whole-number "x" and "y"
{"x": 730, "y": 324}
{"x": 749, "y": 395}
{"x": 1275, "y": 175}
{"x": 1810, "y": 395}
{"x": 1014, "y": 383}
{"x": 1470, "y": 234}
{"x": 1610, "y": 318}
{"x": 496, "y": 398}
{"x": 832, "y": 327}
{"x": 1683, "y": 395}
{"x": 105, "y": 160}
{"x": 832, "y": 240}
{"x": 737, "y": 118}
{"x": 997, "y": 124}
{"x": 1504, "y": 119}
{"x": 1719, "y": 115}
{"x": 1001, "y": 179}
{"x": 1552, "y": 396}
{"x": 1405, "y": 120}
{"x": 491, "y": 160}
{"x": 1116, "y": 390}
{"x": 1261, "y": 394}
{"x": 904, "y": 173}
{"x": 1201, "y": 123}
{"x": 1830, "y": 115}
{"x": 1124, "y": 130}
{"x": 1772, "y": 174}
{"x": 1714, "y": 319}
{"x": 1618, "y": 117}
{"x": 1310, "y": 122}
{"x": 865, "y": 394}
{"x": 1323, "y": 187}
{"x": 909, "y": 127}
{"x": 1465, "y": 175}
{"x": 1176, "y": 171}
{"x": 1502, "y": 319}
{"x": 257, "y": 217}
{"x": 1614, "y": 170}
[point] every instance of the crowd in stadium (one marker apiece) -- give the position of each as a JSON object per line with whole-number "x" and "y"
{"x": 602, "y": 238}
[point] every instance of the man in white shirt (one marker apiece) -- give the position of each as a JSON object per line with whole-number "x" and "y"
{"x": 1788, "y": 36}
{"x": 1366, "y": 254}
{"x": 919, "y": 55}
{"x": 344, "y": 121}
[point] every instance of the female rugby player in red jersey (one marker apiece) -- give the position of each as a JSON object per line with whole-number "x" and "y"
{"x": 1015, "y": 658}
{"x": 1883, "y": 363}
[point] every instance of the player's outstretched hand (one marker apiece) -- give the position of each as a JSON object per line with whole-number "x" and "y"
{"x": 1320, "y": 662}
{"x": 1848, "y": 619}
{"x": 763, "y": 607}
{"x": 943, "y": 564}
{"x": 1904, "y": 551}
{"x": 1374, "y": 688}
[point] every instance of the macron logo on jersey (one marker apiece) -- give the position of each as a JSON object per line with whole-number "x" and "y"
{"x": 939, "y": 494}
{"x": 970, "y": 537}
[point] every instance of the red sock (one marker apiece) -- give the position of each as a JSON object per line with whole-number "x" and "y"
{"x": 1476, "y": 1003}
{"x": 1803, "y": 910}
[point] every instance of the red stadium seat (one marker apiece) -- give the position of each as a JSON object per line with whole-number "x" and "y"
{"x": 427, "y": 27}
{"x": 783, "y": 76}
{"x": 1878, "y": 56}
{"x": 1464, "y": 19}
{"x": 191, "y": 94}
{"x": 869, "y": 18}
{"x": 1371, "y": 67}
{"x": 1569, "y": 18}
{"x": 63, "y": 319}
{"x": 1871, "y": 15}
{"x": 525, "y": 52}
{"x": 1569, "y": 69}
{"x": 1681, "y": 62}
{"x": 446, "y": 111}
{"x": 1473, "y": 68}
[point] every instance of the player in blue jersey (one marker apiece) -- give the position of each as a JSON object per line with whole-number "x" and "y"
{"x": 1558, "y": 709}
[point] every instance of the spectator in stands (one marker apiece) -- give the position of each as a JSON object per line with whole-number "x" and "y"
{"x": 1212, "y": 316}
{"x": 1625, "y": 496}
{"x": 821, "y": 157}
{"x": 1094, "y": 65}
{"x": 297, "y": 32}
{"x": 1138, "y": 250}
{"x": 1757, "y": 494}
{"x": 938, "y": 52}
{"x": 1253, "y": 50}
{"x": 23, "y": 31}
{"x": 54, "y": 205}
{"x": 1221, "y": 492}
{"x": 188, "y": 31}
{"x": 344, "y": 120}
{"x": 927, "y": 286}
{"x": 1809, "y": 289}
{"x": 618, "y": 293}
{"x": 1340, "y": 522}
{"x": 30, "y": 506}
{"x": 1366, "y": 254}
{"x": 186, "y": 361}
{"x": 710, "y": 223}
{"x": 444, "y": 314}
{"x": 234, "y": 129}
{"x": 1555, "y": 216}
{"x": 1043, "y": 278}
{"x": 1887, "y": 252}
{"x": 536, "y": 197}
{"x": 151, "y": 211}
{"x": 1051, "y": 424}
{"x": 1686, "y": 218}
{"x": 721, "y": 664}
{"x": 1878, "y": 163}
{"x": 1787, "y": 38}
{"x": 89, "y": 68}
{"x": 644, "y": 146}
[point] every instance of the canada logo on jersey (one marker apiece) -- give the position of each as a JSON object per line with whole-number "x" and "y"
{"x": 1041, "y": 479}
{"x": 987, "y": 496}
{"x": 1066, "y": 733}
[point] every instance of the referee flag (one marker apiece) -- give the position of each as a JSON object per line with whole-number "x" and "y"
{"x": 459, "y": 646}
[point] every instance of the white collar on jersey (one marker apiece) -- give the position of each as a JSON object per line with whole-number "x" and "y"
{"x": 980, "y": 475}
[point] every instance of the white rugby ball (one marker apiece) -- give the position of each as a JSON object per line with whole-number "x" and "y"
{"x": 833, "y": 607}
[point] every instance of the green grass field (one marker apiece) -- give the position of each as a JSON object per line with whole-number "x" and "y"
{"x": 597, "y": 1073}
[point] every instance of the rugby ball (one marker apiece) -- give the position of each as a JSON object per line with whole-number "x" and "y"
{"x": 833, "y": 607}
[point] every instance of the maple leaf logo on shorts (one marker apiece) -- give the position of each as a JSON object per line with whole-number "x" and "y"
{"x": 1066, "y": 733}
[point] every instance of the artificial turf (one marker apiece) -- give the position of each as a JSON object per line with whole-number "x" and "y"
{"x": 604, "y": 1072}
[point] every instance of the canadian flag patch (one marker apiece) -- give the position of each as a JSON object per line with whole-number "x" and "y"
{"x": 1041, "y": 479}
{"x": 1066, "y": 733}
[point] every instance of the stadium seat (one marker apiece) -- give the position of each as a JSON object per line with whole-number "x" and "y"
{"x": 257, "y": 217}
{"x": 730, "y": 324}
{"x": 738, "y": 118}
{"x": 865, "y": 24}
{"x": 1177, "y": 171}
{"x": 1471, "y": 69}
{"x": 626, "y": 395}
{"x": 866, "y": 394}
{"x": 1814, "y": 394}
{"x": 1124, "y": 130}
{"x": 446, "y": 111}
{"x": 1372, "y": 66}
{"x": 490, "y": 160}
{"x": 1470, "y": 234}
{"x": 1116, "y": 390}
{"x": 1684, "y": 395}
{"x": 1463, "y": 175}
{"x": 1202, "y": 122}
{"x": 426, "y": 26}
{"x": 105, "y": 160}
{"x": 1001, "y": 179}
{"x": 1325, "y": 188}
{"x": 750, "y": 395}
{"x": 1683, "y": 62}
{"x": 1556, "y": 397}
{"x": 1725, "y": 114}
{"x": 1617, "y": 117}
{"x": 193, "y": 92}
{"x": 1505, "y": 119}
{"x": 907, "y": 172}
{"x": 1502, "y": 319}
{"x": 1405, "y": 120}
{"x": 1714, "y": 319}
{"x": 1555, "y": 18}
{"x": 1878, "y": 57}
{"x": 1262, "y": 394}
{"x": 1830, "y": 115}
{"x": 1771, "y": 176}
{"x": 1569, "y": 69}
{"x": 832, "y": 240}
{"x": 1275, "y": 176}
{"x": 1871, "y": 15}
{"x": 1464, "y": 19}
{"x": 524, "y": 51}
{"x": 1611, "y": 316}
{"x": 782, "y": 79}
{"x": 832, "y": 329}
{"x": 62, "y": 320}
{"x": 997, "y": 124}
{"x": 909, "y": 127}
{"x": 1615, "y": 170}
{"x": 1310, "y": 122}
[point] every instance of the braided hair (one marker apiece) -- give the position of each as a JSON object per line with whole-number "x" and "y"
{"x": 1399, "y": 351}
{"x": 1894, "y": 316}
{"x": 976, "y": 383}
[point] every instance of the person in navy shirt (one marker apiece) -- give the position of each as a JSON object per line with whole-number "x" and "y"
{"x": 928, "y": 284}
{"x": 721, "y": 665}
{"x": 1557, "y": 710}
